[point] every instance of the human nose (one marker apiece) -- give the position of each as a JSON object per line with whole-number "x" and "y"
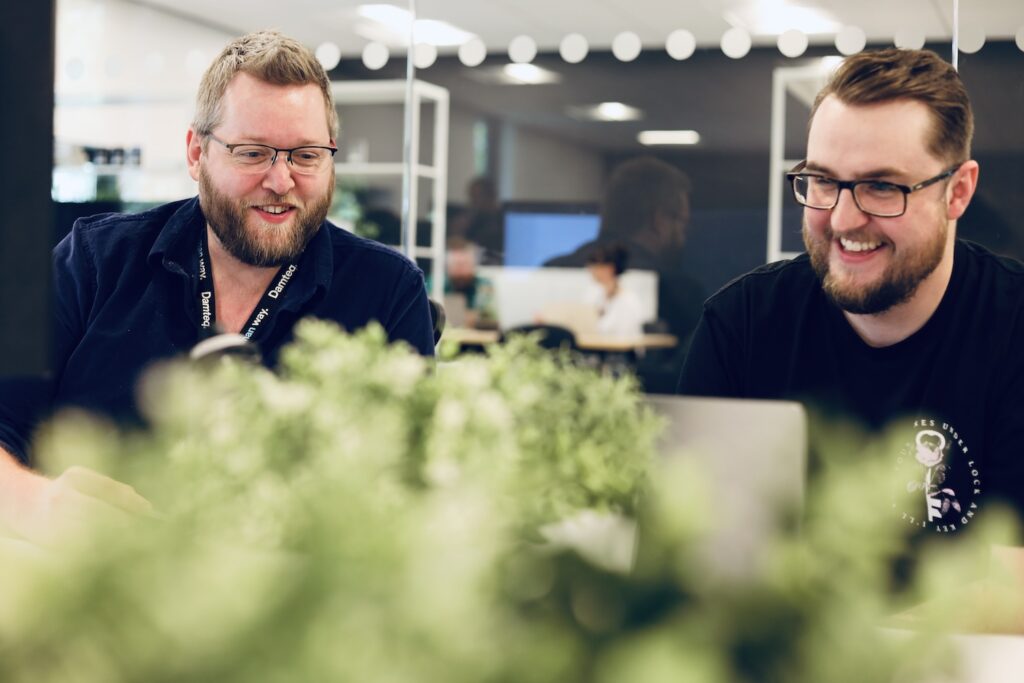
{"x": 278, "y": 178}
{"x": 846, "y": 215}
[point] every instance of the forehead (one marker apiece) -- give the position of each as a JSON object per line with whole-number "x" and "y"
{"x": 852, "y": 139}
{"x": 264, "y": 112}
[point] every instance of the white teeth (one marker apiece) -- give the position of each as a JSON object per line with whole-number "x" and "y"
{"x": 274, "y": 209}
{"x": 850, "y": 245}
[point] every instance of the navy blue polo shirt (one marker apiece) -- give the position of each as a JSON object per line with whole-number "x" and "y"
{"x": 126, "y": 296}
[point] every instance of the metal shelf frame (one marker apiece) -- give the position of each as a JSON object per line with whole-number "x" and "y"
{"x": 803, "y": 82}
{"x": 393, "y": 91}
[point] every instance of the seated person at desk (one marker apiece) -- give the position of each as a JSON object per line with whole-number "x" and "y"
{"x": 252, "y": 254}
{"x": 481, "y": 221}
{"x": 619, "y": 310}
{"x": 646, "y": 209}
{"x": 888, "y": 318}
{"x": 468, "y": 297}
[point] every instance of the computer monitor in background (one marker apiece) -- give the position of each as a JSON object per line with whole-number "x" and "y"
{"x": 536, "y": 232}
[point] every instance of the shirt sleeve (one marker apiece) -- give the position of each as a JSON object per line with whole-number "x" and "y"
{"x": 410, "y": 320}
{"x": 23, "y": 402}
{"x": 713, "y": 363}
{"x": 27, "y": 400}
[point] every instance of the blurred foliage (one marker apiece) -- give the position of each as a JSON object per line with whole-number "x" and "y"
{"x": 364, "y": 516}
{"x": 347, "y": 210}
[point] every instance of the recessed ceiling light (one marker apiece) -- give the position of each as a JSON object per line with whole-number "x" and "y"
{"x": 774, "y": 17}
{"x": 513, "y": 74}
{"x": 529, "y": 74}
{"x": 668, "y": 137}
{"x": 391, "y": 25}
{"x": 606, "y": 111}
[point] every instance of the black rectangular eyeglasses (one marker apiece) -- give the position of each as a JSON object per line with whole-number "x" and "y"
{"x": 873, "y": 197}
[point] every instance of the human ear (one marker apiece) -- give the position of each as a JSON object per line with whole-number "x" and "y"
{"x": 193, "y": 152}
{"x": 961, "y": 188}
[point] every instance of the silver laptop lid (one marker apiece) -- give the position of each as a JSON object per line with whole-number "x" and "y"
{"x": 752, "y": 455}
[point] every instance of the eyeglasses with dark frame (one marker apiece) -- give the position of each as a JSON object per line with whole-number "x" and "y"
{"x": 874, "y": 197}
{"x": 254, "y": 158}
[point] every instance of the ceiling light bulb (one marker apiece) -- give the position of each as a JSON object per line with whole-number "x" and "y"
{"x": 851, "y": 40}
{"x": 375, "y": 56}
{"x": 736, "y": 43}
{"x": 522, "y": 49}
{"x": 573, "y": 48}
{"x": 328, "y": 54}
{"x": 680, "y": 44}
{"x": 472, "y": 52}
{"x": 626, "y": 46}
{"x": 793, "y": 43}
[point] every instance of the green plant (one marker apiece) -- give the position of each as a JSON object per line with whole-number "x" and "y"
{"x": 361, "y": 515}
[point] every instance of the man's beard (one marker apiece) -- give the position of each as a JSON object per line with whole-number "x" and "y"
{"x": 895, "y": 286}
{"x": 267, "y": 245}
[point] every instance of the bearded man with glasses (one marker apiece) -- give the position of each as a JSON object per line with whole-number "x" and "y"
{"x": 252, "y": 254}
{"x": 888, "y": 319}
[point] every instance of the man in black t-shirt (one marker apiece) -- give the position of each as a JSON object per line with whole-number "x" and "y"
{"x": 888, "y": 319}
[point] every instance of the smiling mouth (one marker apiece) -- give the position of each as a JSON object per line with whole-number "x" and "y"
{"x": 859, "y": 247}
{"x": 274, "y": 209}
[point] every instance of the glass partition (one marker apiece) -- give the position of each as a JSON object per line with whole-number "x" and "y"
{"x": 524, "y": 113}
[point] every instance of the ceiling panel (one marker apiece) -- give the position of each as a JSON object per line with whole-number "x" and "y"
{"x": 547, "y": 21}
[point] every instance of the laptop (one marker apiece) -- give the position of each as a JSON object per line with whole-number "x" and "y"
{"x": 750, "y": 456}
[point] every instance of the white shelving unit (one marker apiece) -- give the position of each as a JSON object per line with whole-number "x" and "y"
{"x": 803, "y": 82}
{"x": 393, "y": 92}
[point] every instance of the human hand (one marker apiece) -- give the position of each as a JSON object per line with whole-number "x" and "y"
{"x": 72, "y": 506}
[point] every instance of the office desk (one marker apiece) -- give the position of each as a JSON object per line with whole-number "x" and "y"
{"x": 618, "y": 344}
{"x": 470, "y": 337}
{"x": 586, "y": 342}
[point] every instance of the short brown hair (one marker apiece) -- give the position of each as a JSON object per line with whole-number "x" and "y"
{"x": 896, "y": 74}
{"x": 268, "y": 56}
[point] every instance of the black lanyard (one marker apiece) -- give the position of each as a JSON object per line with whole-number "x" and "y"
{"x": 264, "y": 309}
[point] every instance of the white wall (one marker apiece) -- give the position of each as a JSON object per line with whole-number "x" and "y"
{"x": 532, "y": 165}
{"x": 460, "y": 152}
{"x": 126, "y": 76}
{"x": 536, "y": 166}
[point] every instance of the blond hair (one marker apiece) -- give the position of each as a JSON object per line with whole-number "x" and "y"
{"x": 270, "y": 57}
{"x": 921, "y": 75}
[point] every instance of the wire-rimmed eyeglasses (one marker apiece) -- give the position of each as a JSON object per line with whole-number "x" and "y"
{"x": 254, "y": 158}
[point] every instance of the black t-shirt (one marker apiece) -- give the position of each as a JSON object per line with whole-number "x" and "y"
{"x": 953, "y": 392}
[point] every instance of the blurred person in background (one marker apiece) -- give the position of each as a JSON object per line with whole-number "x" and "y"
{"x": 468, "y": 297}
{"x": 252, "y": 254}
{"x": 619, "y": 310}
{"x": 481, "y": 221}
{"x": 646, "y": 210}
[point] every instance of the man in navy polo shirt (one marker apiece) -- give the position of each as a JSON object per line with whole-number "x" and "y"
{"x": 252, "y": 254}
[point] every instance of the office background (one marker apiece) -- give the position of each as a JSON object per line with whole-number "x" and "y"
{"x": 109, "y": 86}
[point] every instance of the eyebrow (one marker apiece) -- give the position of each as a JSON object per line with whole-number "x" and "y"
{"x": 881, "y": 172}
{"x": 305, "y": 143}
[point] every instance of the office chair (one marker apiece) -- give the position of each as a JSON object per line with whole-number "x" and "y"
{"x": 437, "y": 317}
{"x": 552, "y": 337}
